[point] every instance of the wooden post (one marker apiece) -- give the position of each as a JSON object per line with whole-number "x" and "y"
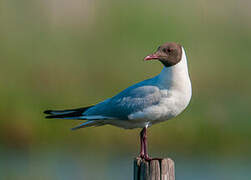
{"x": 156, "y": 169}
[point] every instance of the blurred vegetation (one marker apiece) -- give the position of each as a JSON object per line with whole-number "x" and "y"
{"x": 66, "y": 54}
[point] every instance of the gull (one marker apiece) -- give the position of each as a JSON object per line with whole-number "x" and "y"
{"x": 145, "y": 103}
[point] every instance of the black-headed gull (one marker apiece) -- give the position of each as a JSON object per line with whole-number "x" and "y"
{"x": 145, "y": 103}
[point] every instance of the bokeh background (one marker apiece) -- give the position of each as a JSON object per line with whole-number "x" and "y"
{"x": 64, "y": 54}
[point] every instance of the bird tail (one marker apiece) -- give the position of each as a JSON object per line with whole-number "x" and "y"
{"x": 76, "y": 114}
{"x": 66, "y": 114}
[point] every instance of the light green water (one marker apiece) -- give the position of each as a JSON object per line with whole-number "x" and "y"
{"x": 88, "y": 165}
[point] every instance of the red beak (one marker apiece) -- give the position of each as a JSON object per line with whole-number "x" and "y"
{"x": 151, "y": 56}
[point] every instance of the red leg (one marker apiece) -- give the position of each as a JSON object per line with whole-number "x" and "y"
{"x": 146, "y": 156}
{"x": 143, "y": 145}
{"x": 142, "y": 148}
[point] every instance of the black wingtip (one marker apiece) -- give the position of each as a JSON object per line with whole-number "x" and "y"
{"x": 47, "y": 112}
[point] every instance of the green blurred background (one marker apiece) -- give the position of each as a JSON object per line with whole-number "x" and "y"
{"x": 64, "y": 54}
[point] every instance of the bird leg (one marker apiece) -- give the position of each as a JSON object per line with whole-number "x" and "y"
{"x": 143, "y": 145}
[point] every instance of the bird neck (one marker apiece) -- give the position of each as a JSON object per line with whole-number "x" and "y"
{"x": 176, "y": 77}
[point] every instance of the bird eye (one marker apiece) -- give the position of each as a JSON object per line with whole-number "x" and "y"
{"x": 167, "y": 50}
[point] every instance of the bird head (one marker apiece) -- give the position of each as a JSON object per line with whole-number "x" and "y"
{"x": 169, "y": 54}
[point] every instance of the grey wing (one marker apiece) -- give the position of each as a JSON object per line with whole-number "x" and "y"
{"x": 133, "y": 99}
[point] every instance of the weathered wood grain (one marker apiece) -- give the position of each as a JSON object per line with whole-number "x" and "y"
{"x": 156, "y": 169}
{"x": 167, "y": 169}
